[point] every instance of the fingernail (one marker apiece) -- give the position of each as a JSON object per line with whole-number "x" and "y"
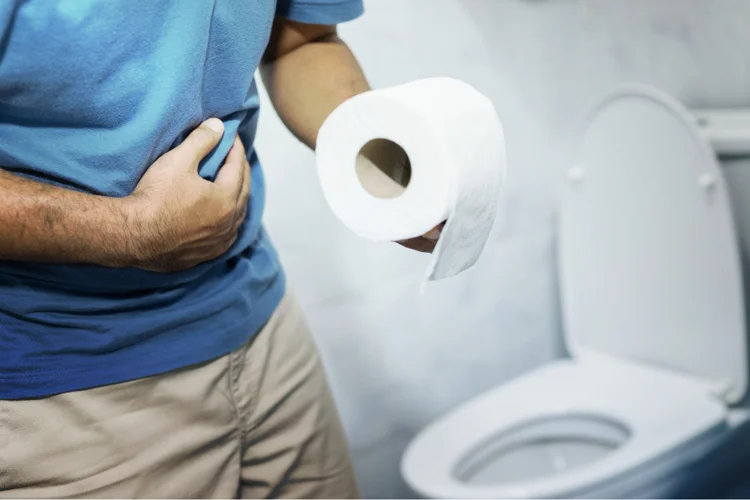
{"x": 214, "y": 124}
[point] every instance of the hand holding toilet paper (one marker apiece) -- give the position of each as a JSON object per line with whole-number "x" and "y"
{"x": 394, "y": 163}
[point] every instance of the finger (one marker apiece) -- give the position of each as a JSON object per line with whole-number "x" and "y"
{"x": 231, "y": 174}
{"x": 201, "y": 141}
{"x": 239, "y": 215}
{"x": 434, "y": 233}
{"x": 242, "y": 199}
{"x": 164, "y": 267}
{"x": 241, "y": 210}
{"x": 226, "y": 245}
{"x": 236, "y": 152}
{"x": 245, "y": 193}
{"x": 238, "y": 144}
{"x": 419, "y": 244}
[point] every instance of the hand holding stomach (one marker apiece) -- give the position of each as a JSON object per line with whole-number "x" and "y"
{"x": 179, "y": 219}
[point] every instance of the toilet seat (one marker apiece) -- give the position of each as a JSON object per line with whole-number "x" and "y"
{"x": 646, "y": 402}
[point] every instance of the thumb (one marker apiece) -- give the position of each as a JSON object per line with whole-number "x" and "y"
{"x": 202, "y": 140}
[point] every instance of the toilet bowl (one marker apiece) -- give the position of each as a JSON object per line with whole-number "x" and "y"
{"x": 572, "y": 428}
{"x": 653, "y": 315}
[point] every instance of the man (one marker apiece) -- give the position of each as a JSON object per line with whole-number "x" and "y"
{"x": 149, "y": 345}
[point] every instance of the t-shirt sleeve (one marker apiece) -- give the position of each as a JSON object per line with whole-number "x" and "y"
{"x": 320, "y": 11}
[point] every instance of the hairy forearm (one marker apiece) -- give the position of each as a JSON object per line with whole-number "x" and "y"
{"x": 44, "y": 223}
{"x": 308, "y": 83}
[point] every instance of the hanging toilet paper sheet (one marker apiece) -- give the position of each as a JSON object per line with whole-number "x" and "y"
{"x": 394, "y": 163}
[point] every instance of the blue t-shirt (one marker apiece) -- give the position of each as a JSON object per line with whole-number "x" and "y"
{"x": 92, "y": 92}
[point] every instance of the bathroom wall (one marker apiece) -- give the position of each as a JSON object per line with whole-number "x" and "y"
{"x": 397, "y": 359}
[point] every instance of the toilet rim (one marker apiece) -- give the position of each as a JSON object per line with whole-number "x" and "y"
{"x": 684, "y": 415}
{"x": 585, "y": 429}
{"x": 437, "y": 478}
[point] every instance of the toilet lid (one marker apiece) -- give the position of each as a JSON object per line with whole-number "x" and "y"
{"x": 649, "y": 261}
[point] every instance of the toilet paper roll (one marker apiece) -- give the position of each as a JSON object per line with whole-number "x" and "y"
{"x": 394, "y": 163}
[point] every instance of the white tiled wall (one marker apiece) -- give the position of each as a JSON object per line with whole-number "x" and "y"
{"x": 398, "y": 359}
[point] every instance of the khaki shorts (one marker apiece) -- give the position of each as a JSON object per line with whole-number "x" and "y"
{"x": 259, "y": 422}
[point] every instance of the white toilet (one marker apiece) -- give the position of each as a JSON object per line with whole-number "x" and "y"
{"x": 654, "y": 318}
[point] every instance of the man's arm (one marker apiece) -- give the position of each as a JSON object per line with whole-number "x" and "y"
{"x": 308, "y": 71}
{"x": 40, "y": 222}
{"x": 174, "y": 219}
